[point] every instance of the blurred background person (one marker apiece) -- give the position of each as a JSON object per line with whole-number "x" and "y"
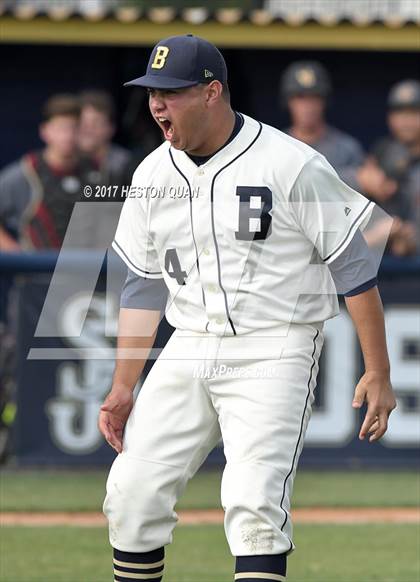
{"x": 305, "y": 88}
{"x": 398, "y": 155}
{"x": 38, "y": 191}
{"x": 37, "y": 196}
{"x": 97, "y": 129}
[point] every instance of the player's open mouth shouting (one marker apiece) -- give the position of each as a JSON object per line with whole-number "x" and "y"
{"x": 166, "y": 126}
{"x": 158, "y": 105}
{"x": 170, "y": 111}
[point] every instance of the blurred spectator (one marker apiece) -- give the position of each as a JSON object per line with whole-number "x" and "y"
{"x": 97, "y": 128}
{"x": 39, "y": 190}
{"x": 37, "y": 197}
{"x": 398, "y": 155}
{"x": 305, "y": 87}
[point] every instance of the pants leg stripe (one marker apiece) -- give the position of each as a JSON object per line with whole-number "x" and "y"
{"x": 301, "y": 429}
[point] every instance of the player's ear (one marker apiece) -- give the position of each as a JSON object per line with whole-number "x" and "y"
{"x": 214, "y": 92}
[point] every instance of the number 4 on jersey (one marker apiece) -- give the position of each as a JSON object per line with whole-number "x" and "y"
{"x": 172, "y": 261}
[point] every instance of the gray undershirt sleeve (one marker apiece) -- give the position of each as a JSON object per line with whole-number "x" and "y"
{"x": 143, "y": 293}
{"x": 354, "y": 271}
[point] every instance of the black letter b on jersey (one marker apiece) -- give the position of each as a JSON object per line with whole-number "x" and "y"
{"x": 258, "y": 213}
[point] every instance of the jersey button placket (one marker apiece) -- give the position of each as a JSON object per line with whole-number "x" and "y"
{"x": 214, "y": 295}
{"x": 209, "y": 276}
{"x": 201, "y": 218}
{"x": 215, "y": 302}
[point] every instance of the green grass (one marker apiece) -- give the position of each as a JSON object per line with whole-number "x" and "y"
{"x": 381, "y": 553}
{"x": 47, "y": 490}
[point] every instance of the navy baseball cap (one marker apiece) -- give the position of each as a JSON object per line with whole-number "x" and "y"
{"x": 182, "y": 61}
{"x": 405, "y": 94}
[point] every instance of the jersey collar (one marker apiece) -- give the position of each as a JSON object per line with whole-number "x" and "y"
{"x": 241, "y": 142}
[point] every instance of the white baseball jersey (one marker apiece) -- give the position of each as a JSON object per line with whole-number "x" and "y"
{"x": 242, "y": 241}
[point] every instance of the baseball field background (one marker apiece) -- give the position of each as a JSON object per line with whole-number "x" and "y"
{"x": 356, "y": 507}
{"x": 349, "y": 527}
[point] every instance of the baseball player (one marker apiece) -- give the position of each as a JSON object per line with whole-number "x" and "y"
{"x": 398, "y": 154}
{"x": 306, "y": 88}
{"x": 240, "y": 232}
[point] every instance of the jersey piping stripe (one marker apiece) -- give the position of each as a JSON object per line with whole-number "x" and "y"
{"x": 192, "y": 225}
{"x": 120, "y": 251}
{"x": 212, "y": 222}
{"x": 355, "y": 222}
{"x": 300, "y": 432}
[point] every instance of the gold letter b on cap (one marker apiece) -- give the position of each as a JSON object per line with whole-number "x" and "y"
{"x": 160, "y": 57}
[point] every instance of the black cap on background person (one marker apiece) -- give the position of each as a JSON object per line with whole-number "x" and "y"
{"x": 404, "y": 114}
{"x": 405, "y": 95}
{"x": 305, "y": 78}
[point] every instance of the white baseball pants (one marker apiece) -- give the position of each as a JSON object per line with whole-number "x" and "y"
{"x": 254, "y": 390}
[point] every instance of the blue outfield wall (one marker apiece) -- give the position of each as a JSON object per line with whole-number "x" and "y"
{"x": 64, "y": 373}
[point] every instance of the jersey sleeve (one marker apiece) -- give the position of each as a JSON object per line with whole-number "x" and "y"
{"x": 143, "y": 293}
{"x": 133, "y": 242}
{"x": 354, "y": 271}
{"x": 326, "y": 210}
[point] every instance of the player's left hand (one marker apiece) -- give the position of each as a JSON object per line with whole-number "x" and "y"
{"x": 375, "y": 389}
{"x": 113, "y": 415}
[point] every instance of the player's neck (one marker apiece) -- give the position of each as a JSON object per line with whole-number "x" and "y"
{"x": 55, "y": 159}
{"x": 219, "y": 133}
{"x": 309, "y": 135}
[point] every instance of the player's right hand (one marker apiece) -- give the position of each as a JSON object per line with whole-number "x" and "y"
{"x": 113, "y": 415}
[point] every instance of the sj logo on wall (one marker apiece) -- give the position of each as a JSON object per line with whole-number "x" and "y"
{"x": 80, "y": 387}
{"x": 66, "y": 359}
{"x": 334, "y": 423}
